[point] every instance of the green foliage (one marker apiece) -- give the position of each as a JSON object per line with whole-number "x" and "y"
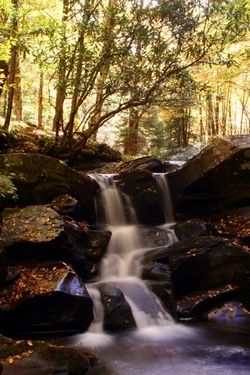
{"x": 7, "y": 188}
{"x": 106, "y": 57}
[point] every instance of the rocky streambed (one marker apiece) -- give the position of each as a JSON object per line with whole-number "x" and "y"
{"x": 51, "y": 245}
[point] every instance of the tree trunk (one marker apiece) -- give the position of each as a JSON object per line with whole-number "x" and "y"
{"x": 12, "y": 69}
{"x": 40, "y": 102}
{"x": 11, "y": 89}
{"x": 4, "y": 71}
{"x": 18, "y": 92}
{"x": 131, "y": 141}
{"x": 61, "y": 89}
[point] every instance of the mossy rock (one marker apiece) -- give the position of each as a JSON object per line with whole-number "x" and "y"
{"x": 76, "y": 361}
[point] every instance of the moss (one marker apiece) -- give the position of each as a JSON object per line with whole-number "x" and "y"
{"x": 75, "y": 360}
{"x": 12, "y": 348}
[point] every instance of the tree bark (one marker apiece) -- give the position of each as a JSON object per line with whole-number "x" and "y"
{"x": 4, "y": 72}
{"x": 131, "y": 141}
{"x": 12, "y": 69}
{"x": 40, "y": 102}
{"x": 18, "y": 103}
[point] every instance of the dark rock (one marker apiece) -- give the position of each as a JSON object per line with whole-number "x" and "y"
{"x": 244, "y": 295}
{"x": 40, "y": 233}
{"x": 164, "y": 291}
{"x": 39, "y": 179}
{"x": 190, "y": 229}
{"x": 8, "y": 191}
{"x": 148, "y": 163}
{"x": 230, "y": 315}
{"x": 117, "y": 312}
{"x": 3, "y": 266}
{"x": 24, "y": 357}
{"x": 232, "y": 224}
{"x": 67, "y": 205}
{"x": 195, "y": 304}
{"x": 216, "y": 179}
{"x": 154, "y": 236}
{"x": 157, "y": 271}
{"x": 178, "y": 248}
{"x": 140, "y": 186}
{"x": 207, "y": 267}
{"x": 46, "y": 297}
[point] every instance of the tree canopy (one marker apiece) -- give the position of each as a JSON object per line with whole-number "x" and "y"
{"x": 103, "y": 59}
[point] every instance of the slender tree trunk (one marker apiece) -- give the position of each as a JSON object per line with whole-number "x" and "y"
{"x": 11, "y": 89}
{"x": 12, "y": 69}
{"x": 201, "y": 123}
{"x": 131, "y": 142}
{"x": 40, "y": 102}
{"x": 109, "y": 22}
{"x": 61, "y": 89}
{"x": 210, "y": 115}
{"x": 18, "y": 103}
{"x": 4, "y": 71}
{"x": 217, "y": 113}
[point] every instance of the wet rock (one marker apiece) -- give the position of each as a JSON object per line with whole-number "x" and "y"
{"x": 216, "y": 179}
{"x": 156, "y": 271}
{"x": 140, "y": 186}
{"x": 154, "y": 236}
{"x": 245, "y": 289}
{"x": 195, "y": 304}
{"x": 232, "y": 224}
{"x": 40, "y": 233}
{"x": 67, "y": 205}
{"x": 117, "y": 312}
{"x": 39, "y": 179}
{"x": 190, "y": 229}
{"x": 46, "y": 297}
{"x": 37, "y": 357}
{"x": 230, "y": 315}
{"x": 148, "y": 163}
{"x": 164, "y": 291}
{"x": 3, "y": 266}
{"x": 207, "y": 267}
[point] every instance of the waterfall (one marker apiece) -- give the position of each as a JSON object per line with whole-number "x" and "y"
{"x": 165, "y": 197}
{"x": 121, "y": 265}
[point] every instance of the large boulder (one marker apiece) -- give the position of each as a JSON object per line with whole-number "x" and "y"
{"x": 39, "y": 179}
{"x": 140, "y": 186}
{"x": 46, "y": 297}
{"x": 40, "y": 233}
{"x": 3, "y": 266}
{"x": 206, "y": 263}
{"x": 216, "y": 179}
{"x": 26, "y": 357}
{"x": 147, "y": 162}
{"x": 117, "y": 312}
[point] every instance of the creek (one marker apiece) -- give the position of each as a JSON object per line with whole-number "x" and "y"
{"x": 158, "y": 345}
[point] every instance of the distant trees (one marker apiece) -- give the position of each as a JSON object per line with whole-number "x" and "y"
{"x": 104, "y": 58}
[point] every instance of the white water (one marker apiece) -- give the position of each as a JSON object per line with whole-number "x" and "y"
{"x": 165, "y": 197}
{"x": 121, "y": 265}
{"x": 159, "y": 345}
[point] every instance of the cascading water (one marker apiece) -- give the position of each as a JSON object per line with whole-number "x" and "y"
{"x": 165, "y": 197}
{"x": 121, "y": 265}
{"x": 159, "y": 345}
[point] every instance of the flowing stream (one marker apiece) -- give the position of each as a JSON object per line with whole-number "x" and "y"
{"x": 159, "y": 345}
{"x": 121, "y": 265}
